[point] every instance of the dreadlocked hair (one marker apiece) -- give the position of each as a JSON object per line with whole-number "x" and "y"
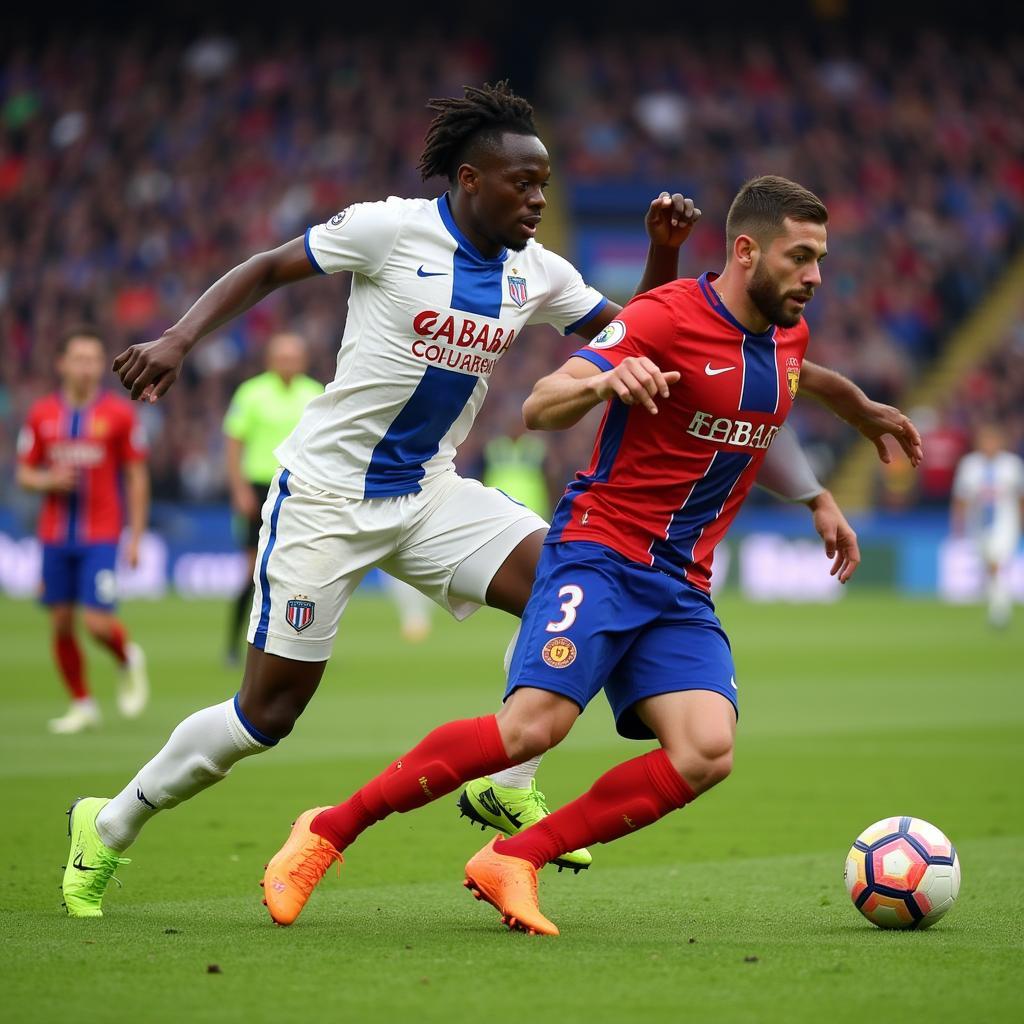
{"x": 491, "y": 109}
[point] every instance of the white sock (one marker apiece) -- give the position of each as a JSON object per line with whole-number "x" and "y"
{"x": 1000, "y": 600}
{"x": 519, "y": 776}
{"x": 200, "y": 752}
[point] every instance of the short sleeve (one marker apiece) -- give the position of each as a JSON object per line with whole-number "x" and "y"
{"x": 30, "y": 445}
{"x": 646, "y": 327}
{"x": 360, "y": 238}
{"x": 570, "y": 301}
{"x": 133, "y": 438}
{"x": 238, "y": 418}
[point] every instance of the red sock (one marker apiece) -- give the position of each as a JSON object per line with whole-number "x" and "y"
{"x": 116, "y": 642}
{"x": 438, "y": 764}
{"x": 631, "y": 796}
{"x": 69, "y": 661}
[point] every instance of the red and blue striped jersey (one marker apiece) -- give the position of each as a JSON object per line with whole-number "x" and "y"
{"x": 97, "y": 440}
{"x": 662, "y": 490}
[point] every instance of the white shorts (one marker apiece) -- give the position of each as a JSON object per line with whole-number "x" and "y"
{"x": 315, "y": 547}
{"x": 996, "y": 546}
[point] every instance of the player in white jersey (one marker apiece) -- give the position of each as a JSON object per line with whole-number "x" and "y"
{"x": 440, "y": 290}
{"x": 988, "y": 504}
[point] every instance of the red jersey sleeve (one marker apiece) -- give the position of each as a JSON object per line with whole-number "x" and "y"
{"x": 646, "y": 327}
{"x": 131, "y": 442}
{"x": 31, "y": 451}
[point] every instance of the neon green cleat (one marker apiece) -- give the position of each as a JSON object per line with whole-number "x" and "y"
{"x": 511, "y": 810}
{"x": 91, "y": 864}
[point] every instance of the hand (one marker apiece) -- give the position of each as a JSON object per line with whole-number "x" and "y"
{"x": 670, "y": 220}
{"x": 62, "y": 479}
{"x": 148, "y": 370}
{"x": 875, "y": 420}
{"x": 839, "y": 537}
{"x": 131, "y": 551}
{"x": 635, "y": 380}
{"x": 243, "y": 497}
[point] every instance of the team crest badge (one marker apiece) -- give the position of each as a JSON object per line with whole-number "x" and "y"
{"x": 559, "y": 652}
{"x": 793, "y": 376}
{"x": 517, "y": 290}
{"x": 298, "y": 613}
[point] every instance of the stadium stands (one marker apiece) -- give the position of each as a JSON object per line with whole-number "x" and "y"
{"x": 134, "y": 171}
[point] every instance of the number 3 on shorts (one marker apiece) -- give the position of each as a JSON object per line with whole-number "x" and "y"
{"x": 573, "y": 597}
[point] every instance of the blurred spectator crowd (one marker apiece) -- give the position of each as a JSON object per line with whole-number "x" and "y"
{"x": 134, "y": 171}
{"x": 916, "y": 146}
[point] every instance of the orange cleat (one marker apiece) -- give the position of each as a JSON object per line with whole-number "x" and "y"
{"x": 510, "y": 885}
{"x": 293, "y": 872}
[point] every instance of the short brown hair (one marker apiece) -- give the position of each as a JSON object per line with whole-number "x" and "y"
{"x": 79, "y": 331}
{"x": 761, "y": 206}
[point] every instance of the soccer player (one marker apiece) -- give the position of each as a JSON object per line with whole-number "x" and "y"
{"x": 262, "y": 413}
{"x": 988, "y": 504}
{"x": 75, "y": 447}
{"x": 440, "y": 289}
{"x": 698, "y": 377}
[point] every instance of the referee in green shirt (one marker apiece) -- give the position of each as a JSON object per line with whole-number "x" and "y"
{"x": 263, "y": 412}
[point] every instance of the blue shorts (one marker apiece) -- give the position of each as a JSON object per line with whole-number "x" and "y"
{"x": 80, "y": 574}
{"x": 596, "y": 620}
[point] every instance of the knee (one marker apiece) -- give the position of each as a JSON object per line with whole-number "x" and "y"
{"x": 274, "y": 717}
{"x": 524, "y": 738}
{"x": 96, "y": 628}
{"x": 63, "y": 623}
{"x": 705, "y": 761}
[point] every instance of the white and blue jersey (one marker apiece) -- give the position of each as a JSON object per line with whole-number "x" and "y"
{"x": 429, "y": 318}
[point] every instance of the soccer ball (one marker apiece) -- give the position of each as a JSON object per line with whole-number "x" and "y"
{"x": 902, "y": 873}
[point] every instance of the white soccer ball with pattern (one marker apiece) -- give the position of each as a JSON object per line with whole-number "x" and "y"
{"x": 902, "y": 873}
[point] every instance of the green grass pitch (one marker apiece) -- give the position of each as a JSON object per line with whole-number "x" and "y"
{"x": 732, "y": 910}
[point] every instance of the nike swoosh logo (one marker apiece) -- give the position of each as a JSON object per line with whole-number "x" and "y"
{"x": 77, "y": 862}
{"x": 430, "y": 273}
{"x": 715, "y": 373}
{"x": 490, "y": 801}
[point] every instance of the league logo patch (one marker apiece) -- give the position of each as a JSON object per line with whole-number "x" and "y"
{"x": 611, "y": 335}
{"x": 559, "y": 652}
{"x": 517, "y": 290}
{"x": 298, "y": 613}
{"x": 339, "y": 218}
{"x": 793, "y": 376}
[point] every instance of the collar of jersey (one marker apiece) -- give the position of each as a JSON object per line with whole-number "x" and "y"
{"x": 719, "y": 307}
{"x": 445, "y": 210}
{"x": 68, "y": 407}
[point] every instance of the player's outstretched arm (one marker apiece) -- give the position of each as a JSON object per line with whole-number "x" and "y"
{"x": 669, "y": 221}
{"x": 148, "y": 370}
{"x": 787, "y": 473}
{"x": 563, "y": 398}
{"x": 136, "y": 476}
{"x": 839, "y": 537}
{"x": 873, "y": 419}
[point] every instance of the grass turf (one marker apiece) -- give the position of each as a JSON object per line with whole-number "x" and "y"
{"x": 733, "y": 910}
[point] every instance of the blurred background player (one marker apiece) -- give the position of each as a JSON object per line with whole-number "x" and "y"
{"x": 263, "y": 412}
{"x": 77, "y": 447}
{"x": 988, "y": 504}
{"x": 514, "y": 462}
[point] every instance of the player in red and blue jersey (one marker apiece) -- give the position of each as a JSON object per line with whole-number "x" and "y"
{"x": 699, "y": 376}
{"x": 77, "y": 447}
